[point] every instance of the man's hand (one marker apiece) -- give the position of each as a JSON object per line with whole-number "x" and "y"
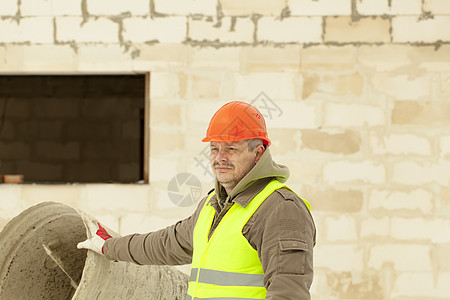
{"x": 96, "y": 242}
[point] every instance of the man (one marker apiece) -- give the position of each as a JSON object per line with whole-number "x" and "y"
{"x": 249, "y": 238}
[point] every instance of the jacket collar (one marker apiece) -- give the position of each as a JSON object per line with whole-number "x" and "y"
{"x": 243, "y": 199}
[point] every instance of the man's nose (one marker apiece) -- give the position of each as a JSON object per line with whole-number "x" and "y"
{"x": 221, "y": 155}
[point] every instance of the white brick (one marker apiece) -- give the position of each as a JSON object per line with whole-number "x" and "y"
{"x": 164, "y": 30}
{"x": 162, "y": 205}
{"x": 392, "y": 57}
{"x": 369, "y": 30}
{"x": 105, "y": 57}
{"x": 412, "y": 173}
{"x": 324, "y": 59}
{"x": 162, "y": 168}
{"x": 434, "y": 60}
{"x": 202, "y": 111}
{"x": 251, "y": 7}
{"x": 437, "y": 7}
{"x": 353, "y": 115}
{"x": 60, "y": 58}
{"x": 320, "y": 7}
{"x": 164, "y": 84}
{"x": 384, "y": 58}
{"x": 8, "y": 7}
{"x": 304, "y": 172}
{"x": 11, "y": 57}
{"x": 143, "y": 223}
{"x": 117, "y": 7}
{"x": 37, "y": 30}
{"x": 416, "y": 200}
{"x": 351, "y": 84}
{"x": 50, "y": 7}
{"x": 228, "y": 32}
{"x": 118, "y": 199}
{"x": 375, "y": 227}
{"x": 372, "y": 7}
{"x": 409, "y": 29}
{"x": 441, "y": 231}
{"x": 404, "y": 257}
{"x": 340, "y": 229}
{"x": 66, "y": 7}
{"x": 406, "y": 7}
{"x": 290, "y": 30}
{"x": 410, "y": 229}
{"x": 186, "y": 7}
{"x": 339, "y": 257}
{"x": 11, "y": 203}
{"x": 67, "y": 194}
{"x": 225, "y": 58}
{"x": 382, "y": 7}
{"x": 99, "y": 30}
{"x": 159, "y": 56}
{"x": 276, "y": 86}
{"x": 294, "y": 115}
{"x": 421, "y": 285}
{"x": 400, "y": 144}
{"x": 36, "y": 7}
{"x": 345, "y": 171}
{"x": 403, "y": 87}
{"x": 437, "y": 230}
{"x": 444, "y": 143}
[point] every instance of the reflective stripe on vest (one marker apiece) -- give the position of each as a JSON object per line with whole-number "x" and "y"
{"x": 226, "y": 278}
{"x": 226, "y": 266}
{"x": 218, "y": 298}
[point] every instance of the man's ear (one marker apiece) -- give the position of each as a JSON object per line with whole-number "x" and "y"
{"x": 259, "y": 151}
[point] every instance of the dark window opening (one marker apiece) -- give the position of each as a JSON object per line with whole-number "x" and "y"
{"x": 83, "y": 129}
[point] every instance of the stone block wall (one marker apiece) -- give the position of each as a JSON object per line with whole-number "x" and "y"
{"x": 355, "y": 94}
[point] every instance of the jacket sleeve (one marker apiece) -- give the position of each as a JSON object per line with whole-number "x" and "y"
{"x": 168, "y": 246}
{"x": 286, "y": 249}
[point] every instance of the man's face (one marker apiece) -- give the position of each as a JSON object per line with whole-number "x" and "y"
{"x": 230, "y": 162}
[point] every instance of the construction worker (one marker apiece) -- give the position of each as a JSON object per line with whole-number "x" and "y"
{"x": 251, "y": 237}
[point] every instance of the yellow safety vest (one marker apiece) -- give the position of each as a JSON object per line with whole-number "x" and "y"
{"x": 226, "y": 266}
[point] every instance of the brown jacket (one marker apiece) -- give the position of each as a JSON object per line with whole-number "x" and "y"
{"x": 282, "y": 230}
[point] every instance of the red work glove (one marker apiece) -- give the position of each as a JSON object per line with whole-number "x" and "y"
{"x": 96, "y": 242}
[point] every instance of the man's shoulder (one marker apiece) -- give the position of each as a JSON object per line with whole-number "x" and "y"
{"x": 287, "y": 194}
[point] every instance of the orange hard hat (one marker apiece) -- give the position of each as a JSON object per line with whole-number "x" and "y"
{"x": 237, "y": 121}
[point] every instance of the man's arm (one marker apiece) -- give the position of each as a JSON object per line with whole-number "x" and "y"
{"x": 168, "y": 246}
{"x": 286, "y": 248}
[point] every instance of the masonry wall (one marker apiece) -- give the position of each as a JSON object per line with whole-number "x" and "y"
{"x": 355, "y": 94}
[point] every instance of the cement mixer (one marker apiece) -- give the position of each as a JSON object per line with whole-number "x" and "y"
{"x": 40, "y": 260}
